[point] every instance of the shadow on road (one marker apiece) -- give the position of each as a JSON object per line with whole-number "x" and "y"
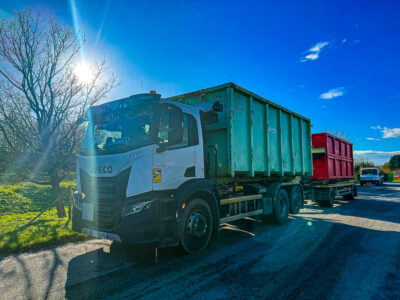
{"x": 382, "y": 210}
{"x": 90, "y": 270}
{"x": 308, "y": 257}
{"x": 315, "y": 272}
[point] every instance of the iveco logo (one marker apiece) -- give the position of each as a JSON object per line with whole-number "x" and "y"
{"x": 101, "y": 170}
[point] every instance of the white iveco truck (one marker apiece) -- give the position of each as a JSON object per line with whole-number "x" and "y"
{"x": 170, "y": 171}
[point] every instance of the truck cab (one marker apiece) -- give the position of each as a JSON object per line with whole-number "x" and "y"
{"x": 371, "y": 176}
{"x": 136, "y": 153}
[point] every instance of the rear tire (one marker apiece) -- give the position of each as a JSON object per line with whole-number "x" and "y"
{"x": 281, "y": 208}
{"x": 196, "y": 226}
{"x": 296, "y": 199}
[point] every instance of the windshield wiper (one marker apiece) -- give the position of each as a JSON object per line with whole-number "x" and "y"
{"x": 115, "y": 145}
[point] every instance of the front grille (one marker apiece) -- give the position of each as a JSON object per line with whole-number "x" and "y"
{"x": 104, "y": 189}
{"x": 107, "y": 194}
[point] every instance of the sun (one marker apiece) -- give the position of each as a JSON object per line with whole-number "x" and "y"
{"x": 83, "y": 72}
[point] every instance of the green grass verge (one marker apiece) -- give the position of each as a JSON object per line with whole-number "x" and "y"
{"x": 21, "y": 202}
{"x": 28, "y": 197}
{"x": 46, "y": 231}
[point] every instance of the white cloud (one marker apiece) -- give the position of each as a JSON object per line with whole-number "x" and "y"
{"x": 312, "y": 56}
{"x": 372, "y": 139}
{"x": 333, "y": 93}
{"x": 387, "y": 132}
{"x": 390, "y": 132}
{"x": 344, "y": 41}
{"x": 362, "y": 152}
{"x": 378, "y": 157}
{"x": 318, "y": 47}
{"x": 314, "y": 51}
{"x": 393, "y": 97}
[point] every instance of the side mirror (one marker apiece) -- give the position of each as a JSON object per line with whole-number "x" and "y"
{"x": 161, "y": 148}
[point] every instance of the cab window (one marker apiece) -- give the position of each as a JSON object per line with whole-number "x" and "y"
{"x": 190, "y": 135}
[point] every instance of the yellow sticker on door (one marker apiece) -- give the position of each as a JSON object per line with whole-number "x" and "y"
{"x": 156, "y": 175}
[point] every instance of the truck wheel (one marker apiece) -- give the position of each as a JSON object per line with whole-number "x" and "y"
{"x": 349, "y": 196}
{"x": 196, "y": 226}
{"x": 281, "y": 208}
{"x": 331, "y": 199}
{"x": 296, "y": 199}
{"x": 328, "y": 202}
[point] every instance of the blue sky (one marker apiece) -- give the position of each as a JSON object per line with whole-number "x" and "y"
{"x": 336, "y": 62}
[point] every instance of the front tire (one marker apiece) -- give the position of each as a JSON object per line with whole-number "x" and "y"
{"x": 196, "y": 226}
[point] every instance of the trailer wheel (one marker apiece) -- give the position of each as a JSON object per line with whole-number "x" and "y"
{"x": 331, "y": 199}
{"x": 196, "y": 226}
{"x": 296, "y": 199}
{"x": 328, "y": 202}
{"x": 281, "y": 208}
{"x": 348, "y": 196}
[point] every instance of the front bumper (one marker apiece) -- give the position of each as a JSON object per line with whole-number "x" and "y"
{"x": 157, "y": 224}
{"x": 369, "y": 181}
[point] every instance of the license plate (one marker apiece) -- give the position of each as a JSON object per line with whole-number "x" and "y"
{"x": 87, "y": 211}
{"x": 101, "y": 234}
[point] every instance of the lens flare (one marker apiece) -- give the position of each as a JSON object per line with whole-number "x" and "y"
{"x": 83, "y": 72}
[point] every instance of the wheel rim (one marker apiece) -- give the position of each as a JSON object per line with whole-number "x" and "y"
{"x": 197, "y": 225}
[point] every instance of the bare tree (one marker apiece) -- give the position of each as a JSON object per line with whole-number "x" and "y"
{"x": 339, "y": 133}
{"x": 360, "y": 163}
{"x": 41, "y": 98}
{"x": 394, "y": 163}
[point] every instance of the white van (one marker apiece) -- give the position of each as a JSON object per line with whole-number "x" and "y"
{"x": 371, "y": 175}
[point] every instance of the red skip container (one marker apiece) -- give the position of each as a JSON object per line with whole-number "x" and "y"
{"x": 332, "y": 157}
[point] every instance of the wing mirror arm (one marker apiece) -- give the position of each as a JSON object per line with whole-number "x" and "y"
{"x": 161, "y": 148}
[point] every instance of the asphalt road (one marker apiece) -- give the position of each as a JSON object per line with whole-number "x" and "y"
{"x": 350, "y": 251}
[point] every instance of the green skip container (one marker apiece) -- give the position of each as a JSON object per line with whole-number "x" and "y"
{"x": 254, "y": 137}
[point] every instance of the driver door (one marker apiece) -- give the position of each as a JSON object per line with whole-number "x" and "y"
{"x": 176, "y": 155}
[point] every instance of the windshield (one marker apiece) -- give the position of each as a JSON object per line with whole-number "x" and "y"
{"x": 124, "y": 130}
{"x": 369, "y": 172}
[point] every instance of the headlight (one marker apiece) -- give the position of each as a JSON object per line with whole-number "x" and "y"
{"x": 135, "y": 208}
{"x": 78, "y": 200}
